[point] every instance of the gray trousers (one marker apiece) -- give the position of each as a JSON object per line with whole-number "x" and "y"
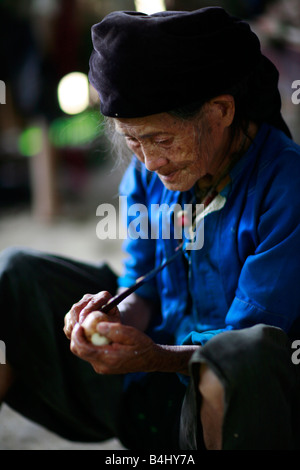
{"x": 145, "y": 411}
{"x": 57, "y": 389}
{"x": 262, "y": 391}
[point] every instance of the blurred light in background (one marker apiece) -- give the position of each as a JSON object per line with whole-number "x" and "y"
{"x": 75, "y": 131}
{"x": 30, "y": 141}
{"x": 65, "y": 132}
{"x": 150, "y": 6}
{"x": 73, "y": 93}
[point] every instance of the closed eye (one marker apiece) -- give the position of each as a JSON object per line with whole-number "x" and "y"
{"x": 164, "y": 142}
{"x": 132, "y": 142}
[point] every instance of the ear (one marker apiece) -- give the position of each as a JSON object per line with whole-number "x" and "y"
{"x": 225, "y": 107}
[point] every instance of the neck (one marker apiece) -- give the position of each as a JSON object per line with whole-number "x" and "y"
{"x": 237, "y": 149}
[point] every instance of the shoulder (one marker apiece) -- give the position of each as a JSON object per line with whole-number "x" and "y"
{"x": 278, "y": 153}
{"x": 275, "y": 166}
{"x": 278, "y": 181}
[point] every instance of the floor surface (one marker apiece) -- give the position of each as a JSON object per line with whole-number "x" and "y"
{"x": 68, "y": 236}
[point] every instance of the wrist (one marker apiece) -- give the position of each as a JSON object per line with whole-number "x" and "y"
{"x": 135, "y": 311}
{"x": 174, "y": 358}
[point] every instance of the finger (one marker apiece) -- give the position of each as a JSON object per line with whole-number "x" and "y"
{"x": 79, "y": 344}
{"x": 118, "y": 333}
{"x": 68, "y": 326}
{"x": 89, "y": 326}
{"x": 97, "y": 356}
{"x": 95, "y": 303}
{"x": 78, "y": 306}
{"x": 71, "y": 317}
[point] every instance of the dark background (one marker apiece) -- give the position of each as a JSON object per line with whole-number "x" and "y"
{"x": 43, "y": 40}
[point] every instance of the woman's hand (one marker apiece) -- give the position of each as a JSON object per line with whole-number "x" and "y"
{"x": 130, "y": 350}
{"x": 89, "y": 303}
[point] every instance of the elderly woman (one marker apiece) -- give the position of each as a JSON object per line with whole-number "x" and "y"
{"x": 200, "y": 356}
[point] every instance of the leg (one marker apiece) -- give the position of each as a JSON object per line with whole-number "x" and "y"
{"x": 7, "y": 378}
{"x": 261, "y": 392}
{"x": 55, "y": 388}
{"x": 202, "y": 411}
{"x": 212, "y": 408}
{"x": 150, "y": 411}
{"x": 52, "y": 386}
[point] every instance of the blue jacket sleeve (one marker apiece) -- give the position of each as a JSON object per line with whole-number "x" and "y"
{"x": 138, "y": 246}
{"x": 268, "y": 288}
{"x": 268, "y": 285}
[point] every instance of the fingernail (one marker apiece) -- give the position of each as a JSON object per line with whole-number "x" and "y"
{"x": 102, "y": 328}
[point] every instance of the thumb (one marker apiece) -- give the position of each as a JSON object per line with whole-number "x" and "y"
{"x": 117, "y": 333}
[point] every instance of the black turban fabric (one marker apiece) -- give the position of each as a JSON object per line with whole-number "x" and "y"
{"x": 146, "y": 64}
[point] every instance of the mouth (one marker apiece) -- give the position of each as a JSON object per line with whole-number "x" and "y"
{"x": 169, "y": 177}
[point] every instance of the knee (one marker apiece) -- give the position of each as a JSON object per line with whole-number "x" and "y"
{"x": 211, "y": 408}
{"x": 244, "y": 354}
{"x": 13, "y": 258}
{"x": 210, "y": 387}
{"x": 248, "y": 343}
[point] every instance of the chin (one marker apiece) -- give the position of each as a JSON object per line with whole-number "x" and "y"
{"x": 178, "y": 186}
{"x": 181, "y": 180}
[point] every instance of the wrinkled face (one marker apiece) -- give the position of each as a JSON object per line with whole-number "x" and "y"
{"x": 181, "y": 152}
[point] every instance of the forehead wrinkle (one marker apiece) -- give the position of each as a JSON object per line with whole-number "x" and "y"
{"x": 149, "y": 127}
{"x": 144, "y": 136}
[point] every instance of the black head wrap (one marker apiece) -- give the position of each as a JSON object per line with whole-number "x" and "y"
{"x": 146, "y": 64}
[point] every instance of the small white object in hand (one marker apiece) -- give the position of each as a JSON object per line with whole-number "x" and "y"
{"x": 90, "y": 324}
{"x": 99, "y": 340}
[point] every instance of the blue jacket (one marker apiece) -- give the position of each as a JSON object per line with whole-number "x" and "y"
{"x": 248, "y": 270}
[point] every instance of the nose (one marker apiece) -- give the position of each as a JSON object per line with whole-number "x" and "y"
{"x": 152, "y": 160}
